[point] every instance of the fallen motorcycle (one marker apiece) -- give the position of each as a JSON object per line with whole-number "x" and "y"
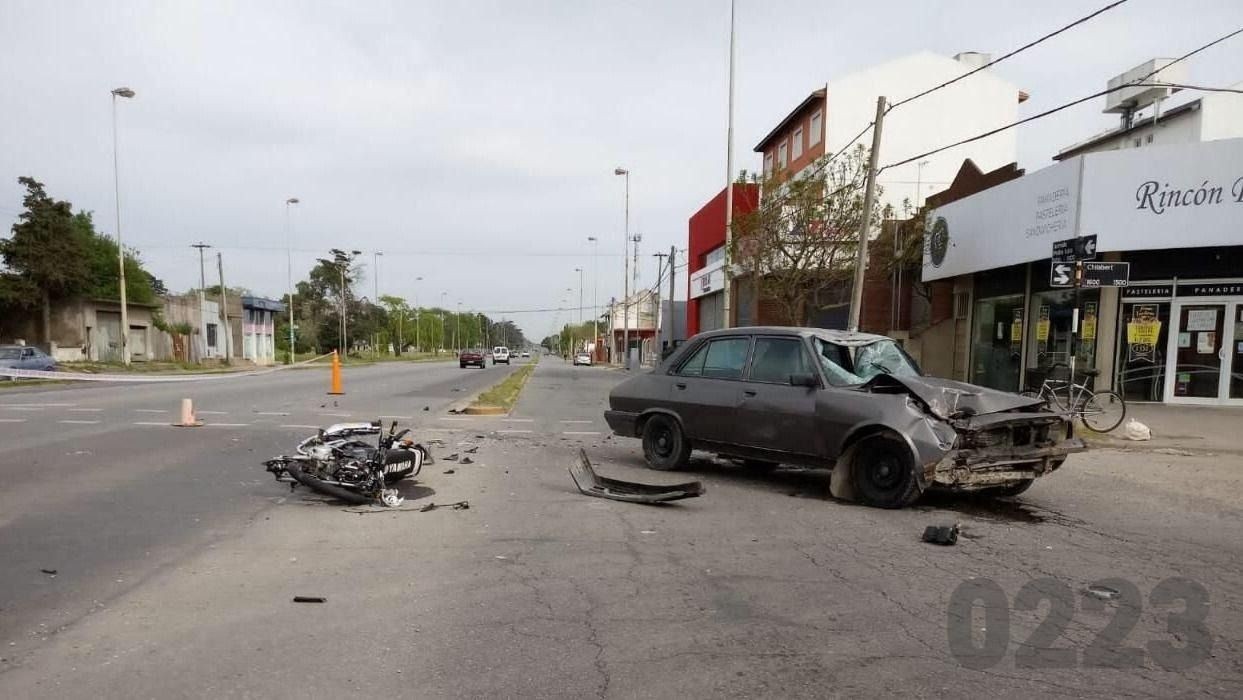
{"x": 337, "y": 462}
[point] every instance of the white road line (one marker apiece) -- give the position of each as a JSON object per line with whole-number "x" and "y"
{"x": 455, "y": 418}
{"x": 581, "y": 432}
{"x": 162, "y": 425}
{"x": 85, "y": 410}
{"x": 271, "y": 413}
{"x": 431, "y": 430}
{"x": 150, "y": 410}
{"x": 23, "y": 408}
{"x": 79, "y": 422}
{"x": 515, "y": 431}
{"x": 38, "y": 405}
{"x": 212, "y": 413}
{"x": 226, "y": 425}
{"x": 580, "y": 422}
{"x": 300, "y": 427}
{"x": 519, "y": 420}
{"x": 337, "y": 415}
{"x": 12, "y": 420}
{"x": 398, "y": 417}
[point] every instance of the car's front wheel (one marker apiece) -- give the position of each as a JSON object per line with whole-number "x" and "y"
{"x": 884, "y": 473}
{"x": 665, "y": 446}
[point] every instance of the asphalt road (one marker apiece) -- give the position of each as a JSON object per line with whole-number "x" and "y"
{"x": 178, "y": 560}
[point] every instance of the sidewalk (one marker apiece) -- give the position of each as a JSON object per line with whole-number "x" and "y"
{"x": 1196, "y": 428}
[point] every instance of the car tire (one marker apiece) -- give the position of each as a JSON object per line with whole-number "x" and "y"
{"x": 665, "y": 447}
{"x": 1009, "y": 490}
{"x": 883, "y": 473}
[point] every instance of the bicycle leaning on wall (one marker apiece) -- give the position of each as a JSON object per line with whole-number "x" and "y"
{"x": 1100, "y": 411}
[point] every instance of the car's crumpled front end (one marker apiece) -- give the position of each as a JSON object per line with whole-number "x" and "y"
{"x": 968, "y": 438}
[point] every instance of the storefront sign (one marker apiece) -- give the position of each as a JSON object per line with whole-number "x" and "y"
{"x": 1089, "y": 321}
{"x": 1148, "y": 291}
{"x": 708, "y": 280}
{"x": 1142, "y": 333}
{"x": 1206, "y": 343}
{"x": 1131, "y": 198}
{"x": 1210, "y": 289}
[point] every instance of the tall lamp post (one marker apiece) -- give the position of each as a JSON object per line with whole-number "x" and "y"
{"x": 442, "y": 321}
{"x": 418, "y": 342}
{"x": 116, "y": 181}
{"x": 626, "y": 274}
{"x": 375, "y": 274}
{"x": 289, "y": 270}
{"x": 595, "y": 283}
{"x": 457, "y": 332}
{"x": 579, "y": 270}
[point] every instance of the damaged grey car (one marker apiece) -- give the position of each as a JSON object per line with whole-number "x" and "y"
{"x": 852, "y": 402}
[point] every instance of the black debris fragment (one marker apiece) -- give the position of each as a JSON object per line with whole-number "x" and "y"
{"x": 451, "y": 458}
{"x": 449, "y": 471}
{"x": 941, "y": 534}
{"x": 309, "y": 599}
{"x": 471, "y": 450}
{"x": 587, "y": 482}
{"x": 467, "y": 460}
{"x": 49, "y": 572}
{"x": 427, "y": 408}
{"x": 460, "y": 505}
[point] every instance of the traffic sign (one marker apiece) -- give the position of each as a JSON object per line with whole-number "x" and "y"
{"x": 1106, "y": 274}
{"x": 1073, "y": 249}
{"x": 1062, "y": 274}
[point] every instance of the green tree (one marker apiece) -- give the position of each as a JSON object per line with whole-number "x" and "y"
{"x": 47, "y": 254}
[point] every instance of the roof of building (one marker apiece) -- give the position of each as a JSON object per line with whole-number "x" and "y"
{"x": 818, "y": 95}
{"x": 1076, "y": 149}
{"x": 262, "y": 303}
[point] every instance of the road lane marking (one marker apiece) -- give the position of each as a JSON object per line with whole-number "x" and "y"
{"x": 510, "y": 432}
{"x": 581, "y": 432}
{"x": 212, "y": 413}
{"x": 398, "y": 417}
{"x": 150, "y": 410}
{"x": 85, "y": 410}
{"x": 299, "y": 427}
{"x": 337, "y": 415}
{"x": 162, "y": 425}
{"x": 271, "y": 413}
{"x": 23, "y": 408}
{"x": 226, "y": 425}
{"x": 519, "y": 420}
{"x": 37, "y": 405}
{"x": 12, "y": 420}
{"x": 580, "y": 422}
{"x": 455, "y": 418}
{"x": 79, "y": 422}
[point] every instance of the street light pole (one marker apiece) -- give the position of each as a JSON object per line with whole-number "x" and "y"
{"x": 727, "y": 309}
{"x": 289, "y": 271}
{"x": 442, "y": 321}
{"x": 375, "y": 273}
{"x": 418, "y": 335}
{"x": 626, "y": 274}
{"x": 457, "y": 332}
{"x": 595, "y": 283}
{"x": 116, "y": 181}
{"x": 579, "y": 270}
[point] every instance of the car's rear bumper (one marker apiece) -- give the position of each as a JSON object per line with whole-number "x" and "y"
{"x": 622, "y": 423}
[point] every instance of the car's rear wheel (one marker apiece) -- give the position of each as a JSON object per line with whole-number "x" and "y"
{"x": 884, "y": 473}
{"x": 665, "y": 447}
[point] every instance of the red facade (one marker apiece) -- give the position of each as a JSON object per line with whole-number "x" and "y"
{"x": 707, "y": 233}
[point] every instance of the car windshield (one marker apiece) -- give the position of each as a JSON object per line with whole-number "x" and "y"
{"x": 849, "y": 366}
{"x": 9, "y": 353}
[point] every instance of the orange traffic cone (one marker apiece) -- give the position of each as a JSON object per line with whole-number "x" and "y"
{"x": 336, "y": 375}
{"x": 188, "y": 419}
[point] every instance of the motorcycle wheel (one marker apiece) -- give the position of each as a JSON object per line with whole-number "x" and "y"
{"x": 315, "y": 484}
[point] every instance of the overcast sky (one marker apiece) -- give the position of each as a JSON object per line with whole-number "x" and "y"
{"x": 474, "y": 143}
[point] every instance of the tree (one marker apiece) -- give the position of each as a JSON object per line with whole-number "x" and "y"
{"x": 802, "y": 239}
{"x": 101, "y": 254}
{"x": 48, "y": 253}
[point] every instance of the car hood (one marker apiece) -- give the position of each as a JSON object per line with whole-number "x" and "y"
{"x": 947, "y": 398}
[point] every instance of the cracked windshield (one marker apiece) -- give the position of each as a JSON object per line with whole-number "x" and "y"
{"x": 632, "y": 349}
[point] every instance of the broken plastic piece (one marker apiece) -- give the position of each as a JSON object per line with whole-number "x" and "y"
{"x": 466, "y": 460}
{"x": 590, "y": 484}
{"x": 49, "y": 572}
{"x": 309, "y": 599}
{"x": 941, "y": 534}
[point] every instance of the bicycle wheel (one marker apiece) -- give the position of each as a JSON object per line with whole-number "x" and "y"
{"x": 1103, "y": 411}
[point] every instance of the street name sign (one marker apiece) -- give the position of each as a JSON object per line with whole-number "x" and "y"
{"x": 1106, "y": 274}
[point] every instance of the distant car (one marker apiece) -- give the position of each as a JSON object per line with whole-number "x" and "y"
{"x": 842, "y": 400}
{"x": 25, "y": 357}
{"x": 500, "y": 354}
{"x": 582, "y": 358}
{"x": 472, "y": 357}
{"x": 526, "y": 353}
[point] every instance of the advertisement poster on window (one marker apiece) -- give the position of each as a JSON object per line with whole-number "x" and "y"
{"x": 1206, "y": 343}
{"x": 1089, "y": 321}
{"x": 1202, "y": 319}
{"x": 1016, "y": 333}
{"x": 1042, "y": 331}
{"x": 1142, "y": 333}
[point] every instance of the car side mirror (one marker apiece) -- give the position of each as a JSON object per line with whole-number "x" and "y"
{"x": 806, "y": 380}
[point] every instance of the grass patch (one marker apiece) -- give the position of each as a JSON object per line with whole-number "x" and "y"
{"x": 505, "y": 392}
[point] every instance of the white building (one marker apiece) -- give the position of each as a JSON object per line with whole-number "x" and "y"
{"x": 828, "y": 119}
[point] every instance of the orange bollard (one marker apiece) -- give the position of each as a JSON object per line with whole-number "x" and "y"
{"x": 188, "y": 419}
{"x": 336, "y": 375}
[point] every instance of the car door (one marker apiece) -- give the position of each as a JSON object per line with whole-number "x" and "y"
{"x": 774, "y": 414}
{"x": 29, "y": 359}
{"x": 706, "y": 388}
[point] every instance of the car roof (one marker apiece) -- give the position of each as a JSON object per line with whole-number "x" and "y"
{"x": 831, "y": 335}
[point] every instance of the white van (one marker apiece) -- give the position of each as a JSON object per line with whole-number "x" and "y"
{"x": 500, "y": 354}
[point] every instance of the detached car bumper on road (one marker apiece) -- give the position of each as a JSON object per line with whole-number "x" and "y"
{"x": 848, "y": 401}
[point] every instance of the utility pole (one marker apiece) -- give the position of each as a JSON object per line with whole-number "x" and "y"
{"x": 202, "y": 286}
{"x": 869, "y": 199}
{"x": 673, "y": 271}
{"x": 289, "y": 271}
{"x": 726, "y": 306}
{"x": 116, "y": 181}
{"x": 375, "y": 341}
{"x": 626, "y": 275}
{"x": 638, "y": 306}
{"x": 662, "y": 329}
{"x": 595, "y": 284}
{"x": 224, "y": 313}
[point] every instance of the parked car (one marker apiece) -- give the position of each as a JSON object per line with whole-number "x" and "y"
{"x": 526, "y": 354}
{"x": 582, "y": 358}
{"x": 500, "y": 354}
{"x": 472, "y": 357}
{"x": 25, "y": 357}
{"x": 853, "y": 402}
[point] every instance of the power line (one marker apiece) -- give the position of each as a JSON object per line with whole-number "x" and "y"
{"x": 1015, "y": 52}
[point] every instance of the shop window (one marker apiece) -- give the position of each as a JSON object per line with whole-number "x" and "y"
{"x": 996, "y": 342}
{"x": 1141, "y": 350}
{"x": 1050, "y": 332}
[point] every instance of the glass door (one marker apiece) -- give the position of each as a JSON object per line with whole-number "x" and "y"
{"x": 1234, "y": 351}
{"x": 1197, "y": 368}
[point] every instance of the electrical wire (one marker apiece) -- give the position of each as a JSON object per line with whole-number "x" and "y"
{"x": 1015, "y": 52}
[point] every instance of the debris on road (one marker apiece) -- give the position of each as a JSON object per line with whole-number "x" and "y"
{"x": 466, "y": 460}
{"x": 460, "y": 505}
{"x": 1102, "y": 592}
{"x": 472, "y": 450}
{"x": 449, "y": 471}
{"x": 941, "y": 534}
{"x": 451, "y": 458}
{"x": 309, "y": 599}
{"x": 437, "y": 442}
{"x": 49, "y": 572}
{"x": 1134, "y": 430}
{"x": 588, "y": 483}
